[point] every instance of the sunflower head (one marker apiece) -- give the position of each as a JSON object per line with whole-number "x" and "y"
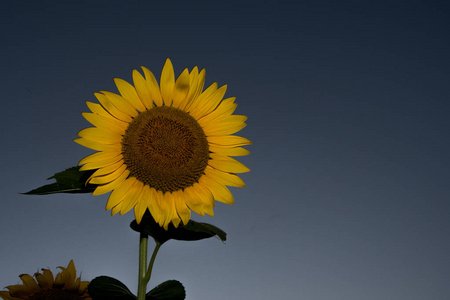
{"x": 66, "y": 286}
{"x": 164, "y": 147}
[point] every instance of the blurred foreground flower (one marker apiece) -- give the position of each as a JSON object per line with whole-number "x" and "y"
{"x": 45, "y": 287}
{"x": 166, "y": 148}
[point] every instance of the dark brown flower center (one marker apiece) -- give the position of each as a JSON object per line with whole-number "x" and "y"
{"x": 55, "y": 294}
{"x": 165, "y": 148}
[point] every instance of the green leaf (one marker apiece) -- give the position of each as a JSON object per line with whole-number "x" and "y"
{"x": 168, "y": 290}
{"x": 108, "y": 288}
{"x": 71, "y": 180}
{"x": 192, "y": 231}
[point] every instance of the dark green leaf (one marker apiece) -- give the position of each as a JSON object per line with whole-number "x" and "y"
{"x": 169, "y": 290}
{"x": 108, "y": 288}
{"x": 71, "y": 180}
{"x": 192, "y": 231}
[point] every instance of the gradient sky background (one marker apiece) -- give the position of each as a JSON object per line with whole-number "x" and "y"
{"x": 348, "y": 106}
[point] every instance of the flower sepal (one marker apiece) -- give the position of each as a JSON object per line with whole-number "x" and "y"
{"x": 192, "y": 231}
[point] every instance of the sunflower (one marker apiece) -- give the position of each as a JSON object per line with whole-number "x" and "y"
{"x": 166, "y": 148}
{"x": 65, "y": 286}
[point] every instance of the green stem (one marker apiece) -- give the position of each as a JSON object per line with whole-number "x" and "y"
{"x": 142, "y": 284}
{"x": 152, "y": 260}
{"x": 145, "y": 274}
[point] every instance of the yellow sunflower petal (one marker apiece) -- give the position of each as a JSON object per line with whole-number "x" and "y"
{"x": 101, "y": 163}
{"x": 153, "y": 86}
{"x": 167, "y": 82}
{"x": 141, "y": 206}
{"x": 205, "y": 95}
{"x": 98, "y": 156}
{"x": 175, "y": 221}
{"x": 74, "y": 287}
{"x": 111, "y": 108}
{"x": 227, "y": 164}
{"x": 20, "y": 291}
{"x": 226, "y": 129}
{"x": 200, "y": 84}
{"x": 129, "y": 93}
{"x": 42, "y": 281}
{"x": 103, "y": 189}
{"x": 63, "y": 278}
{"x": 121, "y": 103}
{"x": 192, "y": 201}
{"x": 181, "y": 89}
{"x": 132, "y": 197}
{"x": 180, "y": 205}
{"x": 84, "y": 285}
{"x": 167, "y": 206}
{"x": 219, "y": 191}
{"x": 228, "y": 126}
{"x": 6, "y": 296}
{"x": 199, "y": 199}
{"x": 228, "y": 140}
{"x": 91, "y": 144}
{"x": 153, "y": 205}
{"x": 106, "y": 170}
{"x": 206, "y": 197}
{"x": 224, "y": 177}
{"x": 101, "y": 136}
{"x": 48, "y": 276}
{"x": 193, "y": 86}
{"x": 207, "y": 105}
{"x": 72, "y": 272}
{"x": 142, "y": 89}
{"x": 119, "y": 193}
{"x": 116, "y": 209}
{"x": 99, "y": 110}
{"x": 230, "y": 151}
{"x": 173, "y": 218}
{"x": 110, "y": 177}
{"x": 29, "y": 283}
{"x": 163, "y": 211}
{"x": 225, "y": 108}
{"x": 107, "y": 123}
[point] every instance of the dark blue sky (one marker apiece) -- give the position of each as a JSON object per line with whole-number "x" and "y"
{"x": 348, "y": 105}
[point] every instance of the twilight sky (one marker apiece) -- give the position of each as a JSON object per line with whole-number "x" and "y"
{"x": 348, "y": 106}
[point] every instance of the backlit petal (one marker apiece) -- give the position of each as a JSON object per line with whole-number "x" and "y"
{"x": 101, "y": 163}
{"x": 142, "y": 89}
{"x": 205, "y": 95}
{"x": 111, "y": 108}
{"x": 207, "y": 105}
{"x": 129, "y": 93}
{"x": 224, "y": 177}
{"x": 132, "y": 197}
{"x": 167, "y": 82}
{"x": 153, "y": 86}
{"x": 109, "y": 177}
{"x": 228, "y": 140}
{"x": 219, "y": 191}
{"x": 230, "y": 151}
{"x": 103, "y": 189}
{"x": 107, "y": 123}
{"x": 101, "y": 136}
{"x": 227, "y": 164}
{"x": 181, "y": 89}
{"x": 121, "y": 103}
{"x": 119, "y": 193}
